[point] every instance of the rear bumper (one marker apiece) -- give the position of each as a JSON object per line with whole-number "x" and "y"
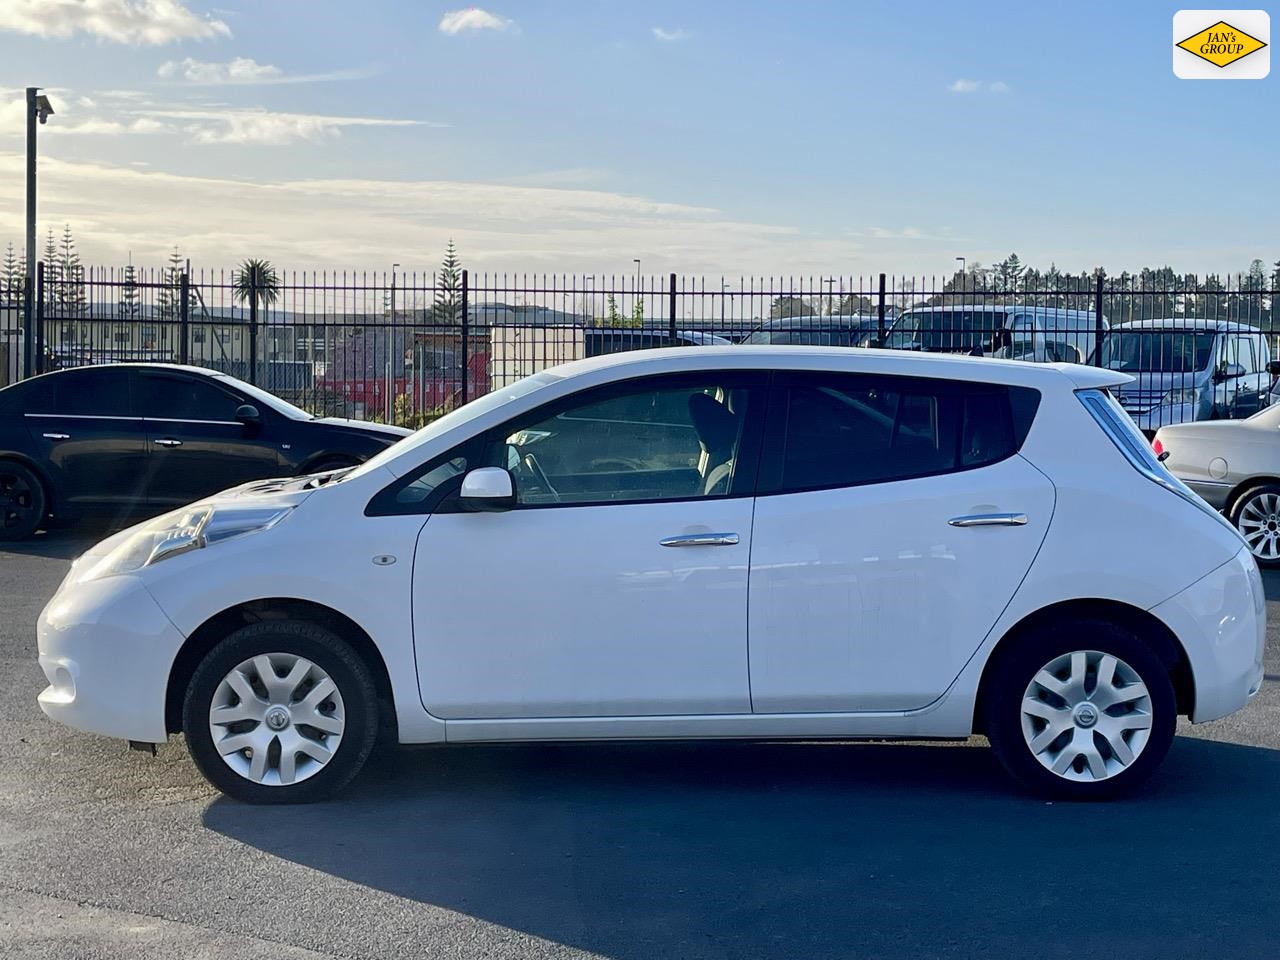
{"x": 106, "y": 649}
{"x": 1221, "y": 621}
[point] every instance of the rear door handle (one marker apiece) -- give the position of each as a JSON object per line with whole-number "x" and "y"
{"x": 167, "y": 442}
{"x": 57, "y": 436}
{"x": 990, "y": 520}
{"x": 701, "y": 540}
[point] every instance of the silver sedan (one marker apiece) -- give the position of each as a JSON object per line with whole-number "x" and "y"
{"x": 1235, "y": 465}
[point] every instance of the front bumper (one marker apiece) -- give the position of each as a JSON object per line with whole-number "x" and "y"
{"x": 106, "y": 649}
{"x": 1221, "y": 620}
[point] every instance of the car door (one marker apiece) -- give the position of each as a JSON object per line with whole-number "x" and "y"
{"x": 85, "y": 431}
{"x": 617, "y": 585}
{"x": 1251, "y": 392}
{"x": 196, "y": 446}
{"x": 893, "y": 523}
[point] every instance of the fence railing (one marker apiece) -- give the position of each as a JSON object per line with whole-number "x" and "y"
{"x": 405, "y": 347}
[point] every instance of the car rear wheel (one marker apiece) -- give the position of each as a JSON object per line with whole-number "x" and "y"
{"x": 281, "y": 712}
{"x": 1082, "y": 711}
{"x": 22, "y": 501}
{"x": 1257, "y": 516}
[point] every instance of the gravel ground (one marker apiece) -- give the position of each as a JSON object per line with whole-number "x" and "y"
{"x": 627, "y": 851}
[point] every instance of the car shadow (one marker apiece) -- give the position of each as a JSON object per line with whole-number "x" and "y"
{"x": 636, "y": 851}
{"x": 63, "y": 542}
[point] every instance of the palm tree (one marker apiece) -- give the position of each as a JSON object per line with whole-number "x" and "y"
{"x": 256, "y": 277}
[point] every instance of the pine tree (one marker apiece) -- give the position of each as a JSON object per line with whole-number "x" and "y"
{"x": 71, "y": 300}
{"x": 448, "y": 303}
{"x": 169, "y": 295}
{"x": 130, "y": 305}
{"x": 12, "y": 274}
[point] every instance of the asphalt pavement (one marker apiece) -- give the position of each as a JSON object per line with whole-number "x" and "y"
{"x": 634, "y": 851}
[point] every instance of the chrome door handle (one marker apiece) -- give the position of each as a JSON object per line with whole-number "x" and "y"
{"x": 701, "y": 540}
{"x": 57, "y": 436}
{"x": 990, "y": 520}
{"x": 167, "y": 442}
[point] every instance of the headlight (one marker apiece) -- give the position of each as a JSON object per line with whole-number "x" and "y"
{"x": 1181, "y": 395}
{"x": 190, "y": 528}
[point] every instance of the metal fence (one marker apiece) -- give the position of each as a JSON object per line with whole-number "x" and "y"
{"x": 405, "y": 347}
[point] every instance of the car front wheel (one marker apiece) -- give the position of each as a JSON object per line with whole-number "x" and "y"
{"x": 1082, "y": 711}
{"x": 280, "y": 712}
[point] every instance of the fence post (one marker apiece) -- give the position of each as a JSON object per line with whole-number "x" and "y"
{"x": 184, "y": 318}
{"x": 253, "y": 327}
{"x": 671, "y": 309}
{"x": 880, "y": 313}
{"x": 1098, "y": 332}
{"x": 38, "y": 345}
{"x": 466, "y": 335}
{"x": 28, "y": 323}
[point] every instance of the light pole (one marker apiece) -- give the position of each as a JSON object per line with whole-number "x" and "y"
{"x": 723, "y": 287}
{"x": 38, "y": 111}
{"x": 830, "y": 284}
{"x": 388, "y": 406}
{"x": 963, "y": 264}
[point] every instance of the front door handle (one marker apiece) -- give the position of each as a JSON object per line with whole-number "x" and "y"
{"x": 701, "y": 540}
{"x": 167, "y": 442}
{"x": 57, "y": 436}
{"x": 990, "y": 520}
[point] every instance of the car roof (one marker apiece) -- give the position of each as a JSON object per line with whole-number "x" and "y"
{"x": 1188, "y": 323}
{"x": 991, "y": 308}
{"x": 637, "y": 363}
{"x": 820, "y": 322}
{"x": 145, "y": 365}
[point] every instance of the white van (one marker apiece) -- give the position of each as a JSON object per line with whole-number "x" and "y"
{"x": 1040, "y": 334}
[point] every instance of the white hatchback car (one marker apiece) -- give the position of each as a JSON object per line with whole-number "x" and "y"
{"x": 758, "y": 542}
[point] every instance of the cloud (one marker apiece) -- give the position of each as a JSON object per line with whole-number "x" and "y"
{"x": 671, "y": 36}
{"x": 70, "y": 119}
{"x": 267, "y": 127}
{"x": 244, "y": 71}
{"x": 474, "y": 18}
{"x": 357, "y": 223}
{"x": 976, "y": 86}
{"x": 138, "y": 22}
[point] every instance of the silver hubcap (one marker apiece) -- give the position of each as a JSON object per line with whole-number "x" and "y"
{"x": 1086, "y": 715}
{"x": 1259, "y": 524}
{"x": 277, "y": 719}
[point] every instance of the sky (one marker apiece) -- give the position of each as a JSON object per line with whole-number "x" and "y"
{"x": 718, "y": 138}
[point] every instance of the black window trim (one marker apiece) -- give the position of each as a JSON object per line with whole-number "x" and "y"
{"x": 769, "y": 483}
{"x": 444, "y": 500}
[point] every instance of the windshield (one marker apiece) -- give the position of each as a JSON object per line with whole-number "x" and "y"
{"x": 455, "y": 418}
{"x": 268, "y": 399}
{"x": 1157, "y": 351}
{"x": 945, "y": 330}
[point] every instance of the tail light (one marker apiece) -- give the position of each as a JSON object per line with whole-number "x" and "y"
{"x": 1157, "y": 446}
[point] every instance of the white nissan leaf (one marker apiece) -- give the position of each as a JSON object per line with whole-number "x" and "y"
{"x": 757, "y": 542}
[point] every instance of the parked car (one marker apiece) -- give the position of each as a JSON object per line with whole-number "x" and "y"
{"x": 1007, "y": 331}
{"x": 1188, "y": 369}
{"x": 934, "y": 546}
{"x": 129, "y": 438}
{"x": 1235, "y": 466}
{"x": 853, "y": 330}
{"x": 598, "y": 341}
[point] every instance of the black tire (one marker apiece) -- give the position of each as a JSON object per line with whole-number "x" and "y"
{"x": 327, "y": 651}
{"x": 1013, "y": 672}
{"x": 1237, "y": 512}
{"x": 23, "y": 503}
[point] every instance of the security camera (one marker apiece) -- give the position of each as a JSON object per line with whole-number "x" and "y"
{"x": 43, "y": 108}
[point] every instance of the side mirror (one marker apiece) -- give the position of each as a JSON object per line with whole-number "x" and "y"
{"x": 487, "y": 490}
{"x": 248, "y": 414}
{"x": 1230, "y": 371}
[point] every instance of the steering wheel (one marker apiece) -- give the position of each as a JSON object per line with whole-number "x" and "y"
{"x": 534, "y": 467}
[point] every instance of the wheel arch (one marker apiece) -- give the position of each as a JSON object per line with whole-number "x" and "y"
{"x": 1167, "y": 647}
{"x": 1243, "y": 487}
{"x": 206, "y": 636}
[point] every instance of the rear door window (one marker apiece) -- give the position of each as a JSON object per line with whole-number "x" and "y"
{"x": 86, "y": 392}
{"x": 834, "y": 430}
